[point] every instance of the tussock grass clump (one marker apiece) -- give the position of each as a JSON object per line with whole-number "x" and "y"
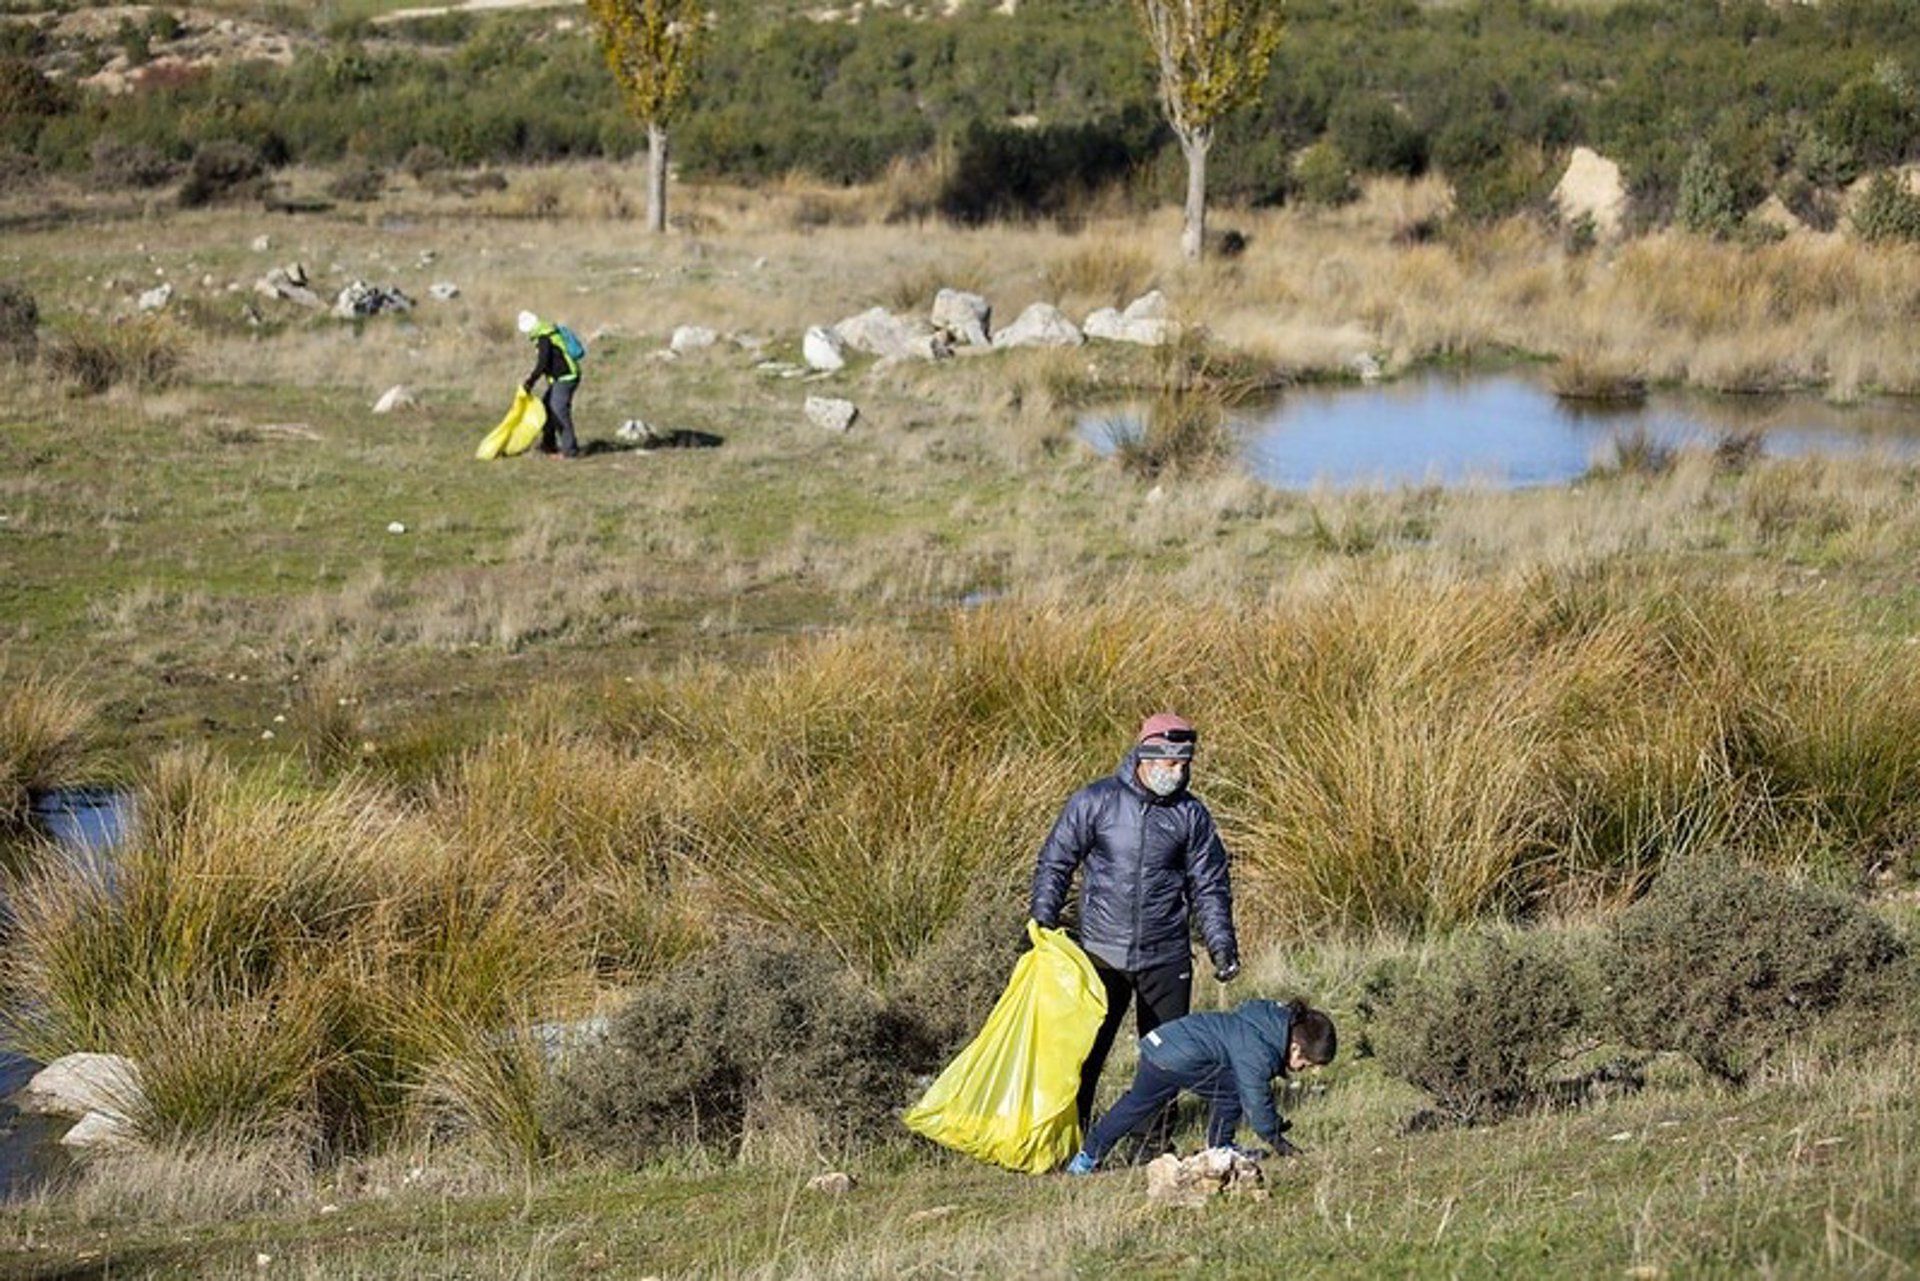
{"x": 1593, "y": 376}
{"x": 1484, "y": 1029}
{"x": 144, "y": 354}
{"x": 222, "y": 171}
{"x": 45, "y": 730}
{"x": 19, "y": 324}
{"x": 1104, "y": 274}
{"x": 1726, "y": 965}
{"x": 756, "y": 1034}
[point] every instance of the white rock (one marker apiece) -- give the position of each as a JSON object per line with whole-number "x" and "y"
{"x": 878, "y": 332}
{"x": 290, "y": 283}
{"x": 1151, "y": 305}
{"x": 1365, "y": 367}
{"x": 1041, "y": 325}
{"x": 636, "y": 431}
{"x": 101, "y": 1131}
{"x": 1114, "y": 326}
{"x": 964, "y": 319}
{"x": 262, "y": 244}
{"x": 157, "y": 298}
{"x": 398, "y": 396}
{"x": 836, "y": 1183}
{"x": 824, "y": 350}
{"x": 76, "y": 1084}
{"x": 834, "y": 415}
{"x": 443, "y": 291}
{"x": 692, "y": 338}
{"x": 1593, "y": 187}
{"x": 396, "y": 527}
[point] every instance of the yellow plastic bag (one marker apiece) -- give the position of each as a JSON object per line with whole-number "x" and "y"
{"x": 517, "y": 431}
{"x": 1009, "y": 1097}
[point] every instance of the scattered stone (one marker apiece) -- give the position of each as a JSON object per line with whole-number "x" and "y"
{"x": 396, "y": 527}
{"x": 427, "y": 257}
{"x": 100, "y": 1132}
{"x": 443, "y": 291}
{"x": 783, "y": 369}
{"x": 361, "y": 299}
{"x": 691, "y": 338}
{"x": 835, "y": 1183}
{"x": 1041, "y": 325}
{"x": 833, "y": 415}
{"x": 1199, "y": 1178}
{"x": 963, "y": 319}
{"x": 1145, "y": 322}
{"x": 752, "y": 344}
{"x": 76, "y": 1084}
{"x": 289, "y": 283}
{"x": 1151, "y": 305}
{"x": 878, "y": 332}
{"x": 398, "y": 396}
{"x": 824, "y": 350}
{"x": 262, "y": 244}
{"x": 1592, "y": 187}
{"x": 156, "y": 299}
{"x": 1365, "y": 367}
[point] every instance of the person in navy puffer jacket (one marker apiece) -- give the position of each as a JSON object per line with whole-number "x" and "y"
{"x": 1148, "y": 857}
{"x": 1229, "y": 1060}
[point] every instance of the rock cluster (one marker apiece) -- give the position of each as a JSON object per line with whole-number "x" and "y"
{"x": 102, "y": 1090}
{"x": 360, "y": 299}
{"x": 1195, "y": 1180}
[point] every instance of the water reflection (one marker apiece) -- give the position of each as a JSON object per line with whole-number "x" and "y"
{"x": 1509, "y": 431}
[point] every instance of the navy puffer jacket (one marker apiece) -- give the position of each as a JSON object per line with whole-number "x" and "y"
{"x": 1251, "y": 1042}
{"x": 1149, "y": 860}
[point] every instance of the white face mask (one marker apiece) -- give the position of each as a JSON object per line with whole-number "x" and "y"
{"x": 1164, "y": 778}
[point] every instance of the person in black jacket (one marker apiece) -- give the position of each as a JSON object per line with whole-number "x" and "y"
{"x": 1229, "y": 1060}
{"x": 1149, "y": 855}
{"x": 552, "y": 361}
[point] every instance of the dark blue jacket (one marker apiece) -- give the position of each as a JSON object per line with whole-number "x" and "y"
{"x": 1148, "y": 860}
{"x": 1250, "y": 1042}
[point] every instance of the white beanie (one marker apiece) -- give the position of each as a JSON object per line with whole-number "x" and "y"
{"x": 528, "y": 322}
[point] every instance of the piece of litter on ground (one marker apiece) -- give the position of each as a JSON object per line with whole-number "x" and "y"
{"x": 280, "y": 720}
{"x": 1621, "y": 1137}
{"x": 329, "y": 1208}
{"x": 396, "y": 527}
{"x": 1827, "y": 1143}
{"x": 266, "y": 734}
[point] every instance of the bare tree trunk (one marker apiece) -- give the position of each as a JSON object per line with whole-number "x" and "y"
{"x": 656, "y": 178}
{"x": 1193, "y": 237}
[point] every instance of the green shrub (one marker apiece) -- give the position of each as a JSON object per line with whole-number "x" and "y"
{"x": 1887, "y": 211}
{"x": 754, "y": 1034}
{"x": 423, "y": 159}
{"x": 1727, "y": 965}
{"x": 950, "y": 987}
{"x": 1706, "y": 204}
{"x": 222, "y": 171}
{"x": 19, "y": 324}
{"x": 1322, "y": 176}
{"x": 1378, "y": 137}
{"x": 1482, "y": 1031}
{"x": 142, "y": 353}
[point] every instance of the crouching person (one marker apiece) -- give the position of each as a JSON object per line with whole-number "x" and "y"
{"x": 1229, "y": 1060}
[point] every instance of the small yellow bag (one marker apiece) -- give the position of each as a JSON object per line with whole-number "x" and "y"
{"x": 1009, "y": 1097}
{"x": 517, "y": 431}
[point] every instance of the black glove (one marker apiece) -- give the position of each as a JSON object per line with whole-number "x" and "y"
{"x": 527, "y": 386}
{"x": 1224, "y": 970}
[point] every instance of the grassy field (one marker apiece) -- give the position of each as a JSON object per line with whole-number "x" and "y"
{"x": 580, "y": 721}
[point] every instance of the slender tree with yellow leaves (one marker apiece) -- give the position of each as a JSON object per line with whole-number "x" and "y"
{"x": 652, "y": 47}
{"x": 1213, "y": 57}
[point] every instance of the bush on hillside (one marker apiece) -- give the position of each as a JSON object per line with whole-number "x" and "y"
{"x": 19, "y": 324}
{"x": 1323, "y": 177}
{"x": 358, "y": 183}
{"x": 1483, "y": 1031}
{"x": 1707, "y": 204}
{"x": 222, "y": 171}
{"x": 1724, "y": 964}
{"x": 117, "y": 163}
{"x": 1887, "y": 212}
{"x": 753, "y": 1034}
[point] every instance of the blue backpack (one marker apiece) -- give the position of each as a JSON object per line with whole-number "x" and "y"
{"x": 570, "y": 343}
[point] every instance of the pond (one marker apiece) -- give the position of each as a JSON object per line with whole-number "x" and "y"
{"x": 1509, "y": 431}
{"x": 89, "y": 822}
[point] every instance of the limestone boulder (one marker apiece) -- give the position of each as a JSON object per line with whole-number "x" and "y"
{"x": 963, "y": 319}
{"x": 156, "y": 299}
{"x": 289, "y": 284}
{"x": 76, "y": 1084}
{"x": 824, "y": 350}
{"x": 688, "y": 339}
{"x": 1193, "y": 1181}
{"x": 878, "y": 332}
{"x": 1041, "y": 325}
{"x": 398, "y": 396}
{"x": 831, "y": 414}
{"x": 1593, "y": 187}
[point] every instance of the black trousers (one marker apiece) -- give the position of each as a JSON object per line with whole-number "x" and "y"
{"x": 1158, "y": 996}
{"x": 559, "y": 400}
{"x": 1154, "y": 1090}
